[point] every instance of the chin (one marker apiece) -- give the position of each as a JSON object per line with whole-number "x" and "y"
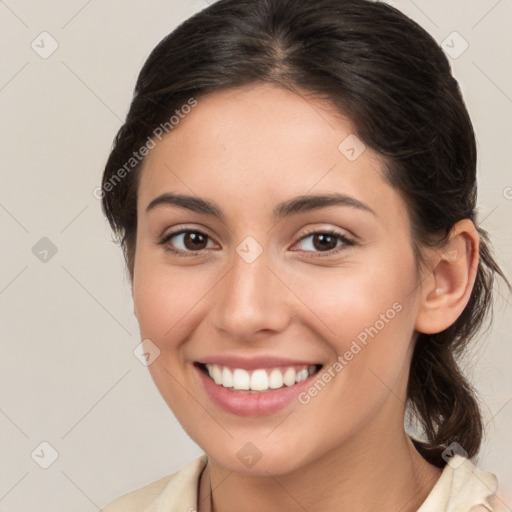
{"x": 258, "y": 458}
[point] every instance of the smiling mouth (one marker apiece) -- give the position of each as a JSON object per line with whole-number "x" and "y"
{"x": 258, "y": 380}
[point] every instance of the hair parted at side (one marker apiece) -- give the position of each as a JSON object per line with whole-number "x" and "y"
{"x": 393, "y": 81}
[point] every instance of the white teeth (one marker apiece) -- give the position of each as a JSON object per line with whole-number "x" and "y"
{"x": 216, "y": 374}
{"x": 289, "y": 377}
{"x": 260, "y": 379}
{"x": 275, "y": 379}
{"x": 227, "y": 378}
{"x": 302, "y": 375}
{"x": 241, "y": 379}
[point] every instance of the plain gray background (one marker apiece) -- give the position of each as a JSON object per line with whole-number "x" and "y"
{"x": 67, "y": 370}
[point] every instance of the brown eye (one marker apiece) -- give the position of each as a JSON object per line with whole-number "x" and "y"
{"x": 185, "y": 241}
{"x": 325, "y": 242}
{"x": 194, "y": 240}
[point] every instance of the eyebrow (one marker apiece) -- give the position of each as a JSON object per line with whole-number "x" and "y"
{"x": 290, "y": 207}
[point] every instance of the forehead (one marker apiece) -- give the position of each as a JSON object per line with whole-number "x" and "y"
{"x": 260, "y": 144}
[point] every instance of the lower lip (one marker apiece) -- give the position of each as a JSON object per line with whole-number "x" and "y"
{"x": 257, "y": 404}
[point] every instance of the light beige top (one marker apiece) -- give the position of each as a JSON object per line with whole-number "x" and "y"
{"x": 462, "y": 487}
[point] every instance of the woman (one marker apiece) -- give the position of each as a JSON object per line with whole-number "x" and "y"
{"x": 294, "y": 189}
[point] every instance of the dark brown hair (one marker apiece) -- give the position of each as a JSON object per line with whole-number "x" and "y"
{"x": 394, "y": 82}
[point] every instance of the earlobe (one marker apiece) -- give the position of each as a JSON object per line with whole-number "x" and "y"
{"x": 447, "y": 289}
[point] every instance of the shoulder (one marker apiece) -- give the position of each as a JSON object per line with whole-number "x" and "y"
{"x": 463, "y": 487}
{"x": 172, "y": 491}
{"x": 138, "y": 500}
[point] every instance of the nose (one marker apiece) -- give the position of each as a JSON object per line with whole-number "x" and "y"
{"x": 251, "y": 300}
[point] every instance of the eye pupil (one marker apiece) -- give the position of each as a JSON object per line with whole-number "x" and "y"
{"x": 323, "y": 237}
{"x": 195, "y": 238}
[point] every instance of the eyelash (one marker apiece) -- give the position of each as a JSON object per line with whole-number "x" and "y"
{"x": 347, "y": 242}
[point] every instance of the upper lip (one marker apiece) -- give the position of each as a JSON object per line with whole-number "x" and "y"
{"x": 253, "y": 363}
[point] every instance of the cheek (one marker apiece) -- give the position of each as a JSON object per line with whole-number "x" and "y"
{"x": 166, "y": 300}
{"x": 367, "y": 317}
{"x": 165, "y": 296}
{"x": 370, "y": 319}
{"x": 350, "y": 301}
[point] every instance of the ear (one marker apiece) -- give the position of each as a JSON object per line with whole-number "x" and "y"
{"x": 446, "y": 289}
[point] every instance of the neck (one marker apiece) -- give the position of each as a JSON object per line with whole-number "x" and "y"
{"x": 368, "y": 475}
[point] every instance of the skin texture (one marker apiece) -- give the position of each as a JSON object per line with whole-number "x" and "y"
{"x": 246, "y": 150}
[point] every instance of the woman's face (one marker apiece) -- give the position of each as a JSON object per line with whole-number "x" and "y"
{"x": 270, "y": 281}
